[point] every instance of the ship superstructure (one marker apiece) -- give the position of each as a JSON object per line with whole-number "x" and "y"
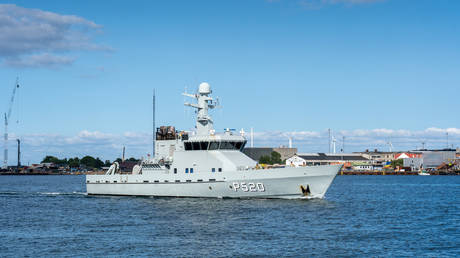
{"x": 209, "y": 164}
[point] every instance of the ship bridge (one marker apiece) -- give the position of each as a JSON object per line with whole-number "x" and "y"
{"x": 215, "y": 142}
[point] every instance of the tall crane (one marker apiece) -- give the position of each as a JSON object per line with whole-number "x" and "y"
{"x": 7, "y": 118}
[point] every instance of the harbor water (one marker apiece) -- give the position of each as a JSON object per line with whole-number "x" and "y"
{"x": 360, "y": 216}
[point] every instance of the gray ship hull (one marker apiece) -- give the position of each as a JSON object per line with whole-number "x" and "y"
{"x": 286, "y": 183}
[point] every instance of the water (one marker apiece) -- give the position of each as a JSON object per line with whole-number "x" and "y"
{"x": 361, "y": 216}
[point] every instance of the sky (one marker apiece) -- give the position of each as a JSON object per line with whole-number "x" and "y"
{"x": 373, "y": 71}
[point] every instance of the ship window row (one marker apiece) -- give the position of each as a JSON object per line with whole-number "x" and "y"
{"x": 215, "y": 145}
{"x": 190, "y": 170}
{"x": 151, "y": 166}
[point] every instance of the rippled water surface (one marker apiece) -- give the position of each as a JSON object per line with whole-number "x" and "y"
{"x": 360, "y": 216}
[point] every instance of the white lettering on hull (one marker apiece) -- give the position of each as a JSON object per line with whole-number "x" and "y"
{"x": 248, "y": 187}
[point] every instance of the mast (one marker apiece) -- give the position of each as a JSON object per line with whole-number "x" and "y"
{"x": 252, "y": 137}
{"x": 154, "y": 129}
{"x": 204, "y": 122}
{"x": 19, "y": 154}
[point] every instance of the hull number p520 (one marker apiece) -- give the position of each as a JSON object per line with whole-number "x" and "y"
{"x": 248, "y": 187}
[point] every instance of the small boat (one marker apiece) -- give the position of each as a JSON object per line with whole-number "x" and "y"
{"x": 423, "y": 173}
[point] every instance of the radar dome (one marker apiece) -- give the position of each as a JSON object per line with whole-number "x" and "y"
{"x": 204, "y": 88}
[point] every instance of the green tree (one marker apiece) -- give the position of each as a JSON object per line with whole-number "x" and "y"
{"x": 74, "y": 163}
{"x": 275, "y": 158}
{"x": 265, "y": 159}
{"x": 398, "y": 162}
{"x": 107, "y": 163}
{"x": 99, "y": 163}
{"x": 52, "y": 159}
{"x": 88, "y": 161}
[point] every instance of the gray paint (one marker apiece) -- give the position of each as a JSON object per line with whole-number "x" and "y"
{"x": 166, "y": 174}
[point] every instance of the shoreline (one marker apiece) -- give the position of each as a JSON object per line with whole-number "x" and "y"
{"x": 341, "y": 173}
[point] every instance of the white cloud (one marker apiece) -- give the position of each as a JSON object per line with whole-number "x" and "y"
{"x": 451, "y": 131}
{"x": 37, "y": 38}
{"x": 39, "y": 60}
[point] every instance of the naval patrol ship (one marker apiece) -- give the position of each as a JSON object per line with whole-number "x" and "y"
{"x": 209, "y": 164}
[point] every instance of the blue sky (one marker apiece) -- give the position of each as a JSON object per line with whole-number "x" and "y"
{"x": 373, "y": 71}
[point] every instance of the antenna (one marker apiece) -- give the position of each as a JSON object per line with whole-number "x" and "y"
{"x": 333, "y": 144}
{"x": 19, "y": 154}
{"x": 154, "y": 128}
{"x": 252, "y": 137}
{"x": 123, "y": 155}
{"x": 447, "y": 139}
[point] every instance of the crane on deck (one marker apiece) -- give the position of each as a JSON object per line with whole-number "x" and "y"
{"x": 7, "y": 116}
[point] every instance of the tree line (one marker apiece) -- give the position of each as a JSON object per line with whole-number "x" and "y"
{"x": 87, "y": 161}
{"x": 274, "y": 158}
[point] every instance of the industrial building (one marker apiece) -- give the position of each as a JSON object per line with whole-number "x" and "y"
{"x": 378, "y": 157}
{"x": 434, "y": 158}
{"x": 315, "y": 159}
{"x": 413, "y": 163}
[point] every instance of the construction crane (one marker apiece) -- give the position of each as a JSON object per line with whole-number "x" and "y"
{"x": 7, "y": 118}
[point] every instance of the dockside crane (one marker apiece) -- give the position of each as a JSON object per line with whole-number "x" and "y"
{"x": 7, "y": 116}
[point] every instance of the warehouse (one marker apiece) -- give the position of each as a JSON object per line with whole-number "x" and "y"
{"x": 315, "y": 159}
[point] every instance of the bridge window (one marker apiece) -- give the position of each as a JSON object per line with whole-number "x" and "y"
{"x": 196, "y": 145}
{"x": 204, "y": 145}
{"x": 175, "y": 170}
{"x": 213, "y": 170}
{"x": 239, "y": 145}
{"x": 220, "y": 169}
{"x": 213, "y": 145}
{"x": 227, "y": 146}
{"x": 186, "y": 170}
{"x": 191, "y": 170}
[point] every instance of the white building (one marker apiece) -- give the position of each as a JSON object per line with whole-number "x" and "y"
{"x": 316, "y": 159}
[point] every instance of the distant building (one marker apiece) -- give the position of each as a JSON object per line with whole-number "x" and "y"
{"x": 435, "y": 158}
{"x": 413, "y": 163}
{"x": 316, "y": 159}
{"x": 406, "y": 155}
{"x": 256, "y": 153}
{"x": 378, "y": 158}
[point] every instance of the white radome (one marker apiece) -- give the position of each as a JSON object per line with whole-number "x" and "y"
{"x": 204, "y": 88}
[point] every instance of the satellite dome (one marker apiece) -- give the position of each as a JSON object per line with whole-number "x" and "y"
{"x": 204, "y": 88}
